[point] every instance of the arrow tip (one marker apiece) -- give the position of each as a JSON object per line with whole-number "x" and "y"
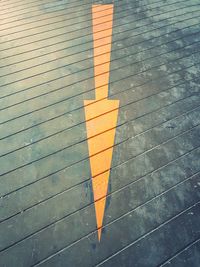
{"x": 99, "y": 234}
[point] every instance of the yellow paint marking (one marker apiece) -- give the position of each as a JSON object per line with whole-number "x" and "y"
{"x": 101, "y": 116}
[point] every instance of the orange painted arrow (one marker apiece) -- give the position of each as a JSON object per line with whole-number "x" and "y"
{"x": 101, "y": 114}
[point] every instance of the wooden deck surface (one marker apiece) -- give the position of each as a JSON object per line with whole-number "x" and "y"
{"x": 47, "y": 214}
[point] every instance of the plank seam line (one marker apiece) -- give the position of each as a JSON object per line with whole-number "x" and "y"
{"x": 86, "y": 50}
{"x": 133, "y": 36}
{"x": 56, "y": 152}
{"x": 91, "y": 77}
{"x": 39, "y": 15}
{"x": 119, "y": 218}
{"x": 149, "y": 233}
{"x": 180, "y": 251}
{"x": 141, "y": 154}
{"x": 65, "y": 113}
{"x": 93, "y": 136}
{"x": 90, "y": 68}
{"x": 88, "y": 20}
{"x": 91, "y": 57}
{"x": 72, "y": 187}
{"x": 178, "y": 9}
{"x": 64, "y": 8}
{"x": 45, "y": 177}
{"x": 135, "y": 74}
{"x": 113, "y": 221}
{"x": 65, "y": 41}
{"x": 60, "y": 4}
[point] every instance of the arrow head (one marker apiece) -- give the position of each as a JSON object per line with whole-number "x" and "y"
{"x": 101, "y": 120}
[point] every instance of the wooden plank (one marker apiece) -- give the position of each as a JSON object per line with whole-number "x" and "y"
{"x": 188, "y": 256}
{"x": 161, "y": 156}
{"x": 160, "y": 243}
{"x": 124, "y": 230}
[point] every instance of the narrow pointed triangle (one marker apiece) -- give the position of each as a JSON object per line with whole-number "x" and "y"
{"x": 101, "y": 136}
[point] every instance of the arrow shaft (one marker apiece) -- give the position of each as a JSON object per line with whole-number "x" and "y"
{"x": 102, "y": 20}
